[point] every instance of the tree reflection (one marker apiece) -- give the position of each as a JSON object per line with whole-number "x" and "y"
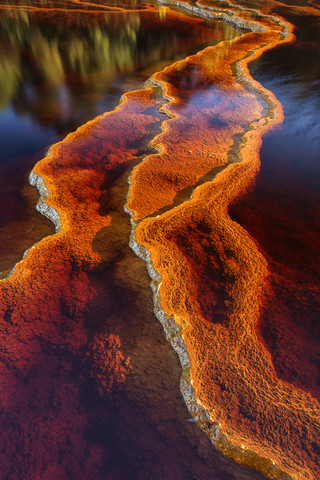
{"x": 59, "y": 65}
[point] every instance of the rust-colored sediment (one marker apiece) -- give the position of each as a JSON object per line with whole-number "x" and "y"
{"x": 44, "y": 304}
{"x": 87, "y": 75}
{"x": 213, "y": 277}
{"x": 285, "y": 226}
{"x": 214, "y": 280}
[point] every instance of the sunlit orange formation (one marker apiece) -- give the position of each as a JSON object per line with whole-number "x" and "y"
{"x": 214, "y": 280}
{"x": 45, "y": 300}
{"x": 215, "y": 291}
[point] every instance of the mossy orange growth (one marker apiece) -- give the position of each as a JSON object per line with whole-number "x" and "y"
{"x": 46, "y": 351}
{"x": 108, "y": 362}
{"x": 213, "y": 277}
{"x": 214, "y": 263}
{"x": 75, "y": 169}
{"x": 209, "y": 109}
{"x": 286, "y": 228}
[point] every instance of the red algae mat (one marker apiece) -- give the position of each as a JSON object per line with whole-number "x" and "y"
{"x": 61, "y": 331}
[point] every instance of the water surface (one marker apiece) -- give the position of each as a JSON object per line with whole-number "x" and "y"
{"x": 88, "y": 377}
{"x": 67, "y": 329}
{"x": 62, "y": 67}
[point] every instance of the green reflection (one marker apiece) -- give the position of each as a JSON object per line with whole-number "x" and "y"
{"x": 10, "y": 75}
{"x": 54, "y": 51}
{"x": 57, "y": 64}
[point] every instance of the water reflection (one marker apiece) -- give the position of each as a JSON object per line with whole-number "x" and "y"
{"x": 287, "y": 223}
{"x": 140, "y": 430}
{"x": 62, "y": 65}
{"x": 54, "y": 71}
{"x": 41, "y": 62}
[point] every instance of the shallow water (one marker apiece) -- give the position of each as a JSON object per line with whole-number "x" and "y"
{"x": 60, "y": 388}
{"x": 60, "y": 69}
{"x": 88, "y": 376}
{"x": 282, "y": 212}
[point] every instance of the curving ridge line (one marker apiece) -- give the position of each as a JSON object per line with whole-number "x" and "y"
{"x": 209, "y": 278}
{"x": 218, "y": 260}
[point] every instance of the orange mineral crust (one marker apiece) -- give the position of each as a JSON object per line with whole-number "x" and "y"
{"x": 76, "y": 62}
{"x": 75, "y": 352}
{"x": 89, "y": 387}
{"x": 46, "y": 300}
{"x": 286, "y": 230}
{"x": 209, "y": 110}
{"x": 213, "y": 279}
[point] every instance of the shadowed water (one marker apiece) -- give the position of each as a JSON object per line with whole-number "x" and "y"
{"x": 88, "y": 377}
{"x": 90, "y": 385}
{"x": 61, "y": 68}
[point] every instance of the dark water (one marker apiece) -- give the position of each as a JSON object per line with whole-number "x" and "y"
{"x": 283, "y": 210}
{"x": 56, "y": 76}
{"x": 61, "y": 68}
